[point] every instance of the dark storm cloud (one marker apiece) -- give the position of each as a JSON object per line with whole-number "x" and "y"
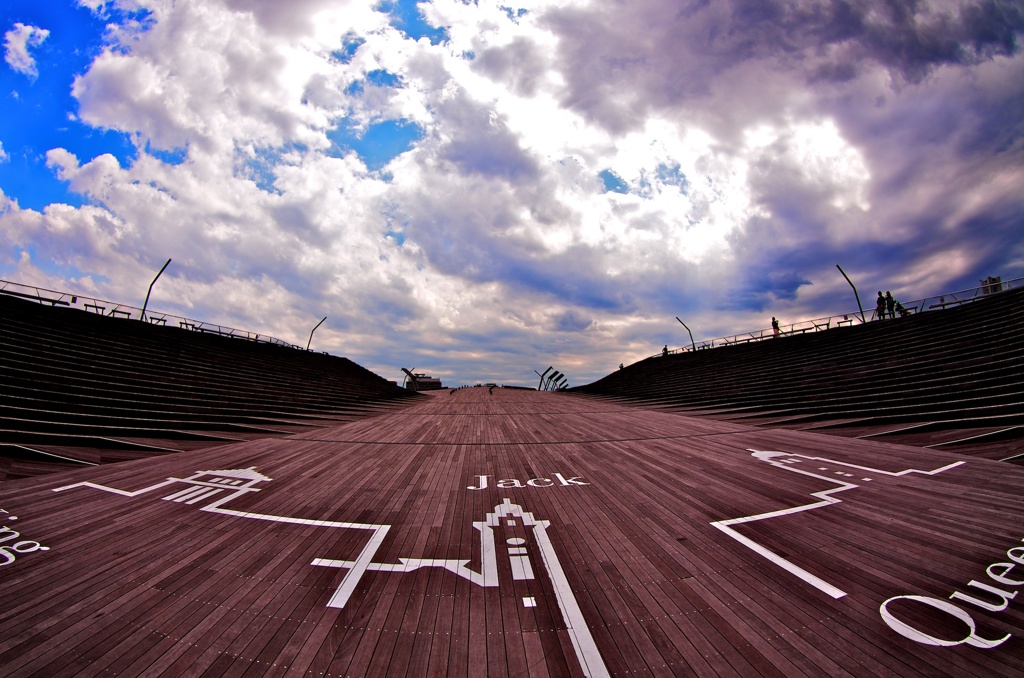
{"x": 622, "y": 60}
{"x": 572, "y": 277}
{"x": 761, "y": 289}
{"x": 484, "y": 255}
{"x": 572, "y": 321}
{"x": 1003, "y": 242}
{"x": 911, "y": 41}
{"x": 478, "y": 142}
{"x": 490, "y": 153}
{"x": 519, "y": 65}
{"x": 997, "y": 123}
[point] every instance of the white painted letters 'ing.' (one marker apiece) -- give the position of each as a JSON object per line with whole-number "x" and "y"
{"x": 993, "y": 599}
{"x": 511, "y": 483}
{"x": 11, "y": 544}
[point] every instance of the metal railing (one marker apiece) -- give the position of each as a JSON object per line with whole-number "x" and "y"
{"x": 125, "y": 311}
{"x": 938, "y": 302}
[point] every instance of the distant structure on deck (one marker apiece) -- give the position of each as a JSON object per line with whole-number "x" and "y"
{"x": 420, "y": 382}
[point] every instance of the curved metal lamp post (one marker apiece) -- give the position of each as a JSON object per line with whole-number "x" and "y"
{"x": 142, "y": 316}
{"x": 314, "y": 330}
{"x": 854, "y": 292}
{"x": 691, "y": 334}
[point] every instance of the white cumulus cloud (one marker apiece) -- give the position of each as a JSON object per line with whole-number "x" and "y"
{"x": 579, "y": 172}
{"x": 17, "y": 43}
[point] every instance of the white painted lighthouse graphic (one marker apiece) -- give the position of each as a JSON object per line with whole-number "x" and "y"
{"x": 222, "y": 486}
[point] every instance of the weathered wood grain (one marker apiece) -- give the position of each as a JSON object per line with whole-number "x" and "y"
{"x": 140, "y": 585}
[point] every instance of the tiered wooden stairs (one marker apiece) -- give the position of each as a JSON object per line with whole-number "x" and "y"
{"x": 952, "y": 378}
{"x": 78, "y": 389}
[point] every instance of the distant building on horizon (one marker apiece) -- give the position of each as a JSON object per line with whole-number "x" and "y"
{"x": 424, "y": 382}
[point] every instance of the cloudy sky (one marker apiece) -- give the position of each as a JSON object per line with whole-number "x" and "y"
{"x": 479, "y": 190}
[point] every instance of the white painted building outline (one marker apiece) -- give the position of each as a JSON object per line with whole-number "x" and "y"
{"x": 789, "y": 462}
{"x": 227, "y": 484}
{"x": 232, "y": 483}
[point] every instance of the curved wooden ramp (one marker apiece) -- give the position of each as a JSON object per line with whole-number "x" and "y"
{"x": 519, "y": 534}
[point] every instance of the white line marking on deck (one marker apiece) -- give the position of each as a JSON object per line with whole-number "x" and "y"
{"x": 784, "y": 460}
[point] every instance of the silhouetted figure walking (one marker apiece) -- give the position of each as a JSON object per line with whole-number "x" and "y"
{"x": 775, "y": 326}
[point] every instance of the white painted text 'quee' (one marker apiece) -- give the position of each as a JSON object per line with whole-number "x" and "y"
{"x": 559, "y": 481}
{"x": 998, "y": 600}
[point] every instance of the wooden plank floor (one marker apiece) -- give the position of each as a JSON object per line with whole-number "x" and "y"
{"x": 519, "y": 534}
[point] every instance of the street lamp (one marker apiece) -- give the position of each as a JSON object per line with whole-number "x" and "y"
{"x": 854, "y": 291}
{"x": 314, "y": 330}
{"x": 691, "y": 334}
{"x": 142, "y": 316}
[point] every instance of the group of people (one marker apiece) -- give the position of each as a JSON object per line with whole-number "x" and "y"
{"x": 886, "y": 306}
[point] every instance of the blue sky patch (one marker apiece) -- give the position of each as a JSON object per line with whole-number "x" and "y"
{"x": 672, "y": 175}
{"x": 406, "y": 17}
{"x": 39, "y": 114}
{"x": 172, "y": 157}
{"x": 376, "y": 78}
{"x": 49, "y": 267}
{"x": 260, "y": 169}
{"x": 382, "y": 78}
{"x": 514, "y": 15}
{"x": 380, "y": 143}
{"x": 349, "y": 45}
{"x": 613, "y": 183}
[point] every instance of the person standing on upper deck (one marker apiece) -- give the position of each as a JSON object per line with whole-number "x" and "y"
{"x": 890, "y": 304}
{"x": 775, "y": 326}
{"x": 880, "y": 306}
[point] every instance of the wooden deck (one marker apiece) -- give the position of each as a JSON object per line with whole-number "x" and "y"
{"x": 609, "y": 540}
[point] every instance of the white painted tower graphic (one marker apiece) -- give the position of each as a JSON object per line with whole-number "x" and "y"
{"x": 223, "y": 485}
